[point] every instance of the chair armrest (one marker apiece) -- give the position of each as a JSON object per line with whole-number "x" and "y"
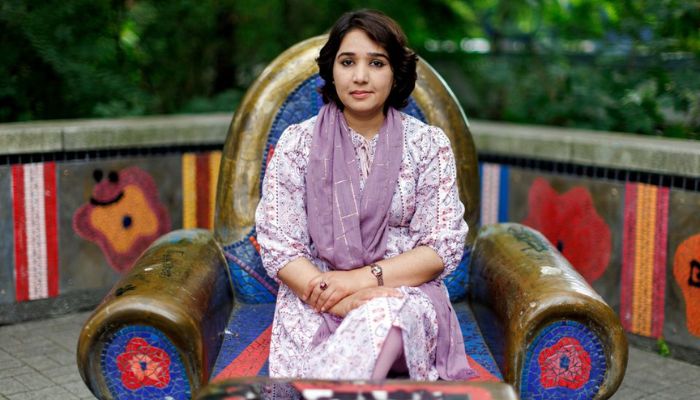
{"x": 160, "y": 327}
{"x": 532, "y": 288}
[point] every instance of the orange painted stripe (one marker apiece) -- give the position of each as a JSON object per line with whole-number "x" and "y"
{"x": 189, "y": 193}
{"x": 642, "y": 302}
{"x": 214, "y": 164}
{"x": 644, "y": 256}
{"x": 200, "y": 172}
{"x": 255, "y": 243}
{"x": 251, "y": 360}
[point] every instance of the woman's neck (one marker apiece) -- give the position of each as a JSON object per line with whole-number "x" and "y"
{"x": 368, "y": 127}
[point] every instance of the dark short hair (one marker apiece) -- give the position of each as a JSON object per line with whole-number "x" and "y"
{"x": 388, "y": 34}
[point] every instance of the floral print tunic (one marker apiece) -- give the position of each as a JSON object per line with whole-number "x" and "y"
{"x": 425, "y": 211}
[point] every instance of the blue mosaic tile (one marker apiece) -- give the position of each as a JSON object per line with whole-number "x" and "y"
{"x": 246, "y": 324}
{"x": 474, "y": 343}
{"x": 251, "y": 282}
{"x": 458, "y": 280}
{"x": 566, "y": 360}
{"x": 493, "y": 331}
{"x": 143, "y": 353}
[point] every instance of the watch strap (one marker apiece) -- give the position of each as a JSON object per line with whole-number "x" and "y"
{"x": 378, "y": 273}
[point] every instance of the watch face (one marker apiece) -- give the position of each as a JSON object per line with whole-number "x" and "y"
{"x": 377, "y": 270}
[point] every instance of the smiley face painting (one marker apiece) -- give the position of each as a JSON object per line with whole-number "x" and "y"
{"x": 123, "y": 217}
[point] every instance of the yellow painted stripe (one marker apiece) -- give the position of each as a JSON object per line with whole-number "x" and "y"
{"x": 644, "y": 260}
{"x": 189, "y": 191}
{"x": 642, "y": 293}
{"x": 214, "y": 162}
{"x": 649, "y": 244}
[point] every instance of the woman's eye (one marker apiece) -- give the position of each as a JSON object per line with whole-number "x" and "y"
{"x": 346, "y": 62}
{"x": 377, "y": 63}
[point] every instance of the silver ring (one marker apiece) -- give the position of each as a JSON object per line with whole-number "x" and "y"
{"x": 323, "y": 285}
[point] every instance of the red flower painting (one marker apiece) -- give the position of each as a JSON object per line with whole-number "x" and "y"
{"x": 565, "y": 364}
{"x": 143, "y": 365}
{"x": 570, "y": 222}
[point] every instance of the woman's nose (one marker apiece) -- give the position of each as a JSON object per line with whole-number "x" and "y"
{"x": 361, "y": 74}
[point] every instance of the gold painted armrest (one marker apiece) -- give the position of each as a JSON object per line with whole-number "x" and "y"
{"x": 179, "y": 286}
{"x": 529, "y": 284}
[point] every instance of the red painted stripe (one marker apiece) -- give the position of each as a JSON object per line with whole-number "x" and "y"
{"x": 51, "y": 213}
{"x": 484, "y": 374}
{"x": 628, "y": 246}
{"x": 20, "y": 231}
{"x": 251, "y": 359}
{"x": 270, "y": 153}
{"x": 202, "y": 182}
{"x": 255, "y": 243}
{"x": 660, "y": 253}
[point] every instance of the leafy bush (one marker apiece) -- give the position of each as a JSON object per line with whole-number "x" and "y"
{"x": 599, "y": 64}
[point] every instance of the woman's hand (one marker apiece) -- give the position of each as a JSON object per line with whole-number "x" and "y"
{"x": 325, "y": 290}
{"x": 355, "y": 300}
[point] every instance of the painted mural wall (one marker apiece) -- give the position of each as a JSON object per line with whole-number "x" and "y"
{"x": 74, "y": 225}
{"x": 636, "y": 243}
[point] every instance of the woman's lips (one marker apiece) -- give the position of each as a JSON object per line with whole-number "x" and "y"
{"x": 360, "y": 94}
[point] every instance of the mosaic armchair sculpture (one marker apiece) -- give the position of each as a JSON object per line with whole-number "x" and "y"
{"x": 197, "y": 306}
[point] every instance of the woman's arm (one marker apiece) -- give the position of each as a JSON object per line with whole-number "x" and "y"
{"x": 297, "y": 274}
{"x": 411, "y": 268}
{"x": 280, "y": 218}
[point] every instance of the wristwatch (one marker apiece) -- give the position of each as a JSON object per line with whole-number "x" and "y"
{"x": 376, "y": 270}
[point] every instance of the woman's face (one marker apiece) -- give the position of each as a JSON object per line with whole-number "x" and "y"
{"x": 362, "y": 75}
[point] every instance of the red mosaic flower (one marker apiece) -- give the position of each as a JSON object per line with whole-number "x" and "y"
{"x": 570, "y": 222}
{"x": 143, "y": 365}
{"x": 566, "y": 364}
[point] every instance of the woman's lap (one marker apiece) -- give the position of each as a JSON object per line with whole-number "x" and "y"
{"x": 352, "y": 351}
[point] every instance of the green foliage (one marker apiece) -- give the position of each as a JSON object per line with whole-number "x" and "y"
{"x": 662, "y": 347}
{"x": 607, "y": 65}
{"x": 602, "y": 64}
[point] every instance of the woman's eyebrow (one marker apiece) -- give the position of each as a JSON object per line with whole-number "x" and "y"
{"x": 378, "y": 55}
{"x": 371, "y": 54}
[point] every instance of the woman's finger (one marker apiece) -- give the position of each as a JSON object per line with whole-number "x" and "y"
{"x": 333, "y": 298}
{"x": 314, "y": 296}
{"x": 313, "y": 283}
{"x": 323, "y": 294}
{"x": 318, "y": 300}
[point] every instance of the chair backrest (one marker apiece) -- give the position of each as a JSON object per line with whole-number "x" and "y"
{"x": 285, "y": 94}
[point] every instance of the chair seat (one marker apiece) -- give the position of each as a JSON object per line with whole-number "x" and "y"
{"x": 246, "y": 345}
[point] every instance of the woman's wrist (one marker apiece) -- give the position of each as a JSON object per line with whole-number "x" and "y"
{"x": 367, "y": 277}
{"x": 363, "y": 278}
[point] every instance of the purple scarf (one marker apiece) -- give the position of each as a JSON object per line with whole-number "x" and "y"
{"x": 349, "y": 228}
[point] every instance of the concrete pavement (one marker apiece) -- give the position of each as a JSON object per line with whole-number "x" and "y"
{"x": 37, "y": 361}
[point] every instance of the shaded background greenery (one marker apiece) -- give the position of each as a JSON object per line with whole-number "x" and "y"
{"x": 621, "y": 65}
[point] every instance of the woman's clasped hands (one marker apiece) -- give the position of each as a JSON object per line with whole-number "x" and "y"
{"x": 339, "y": 292}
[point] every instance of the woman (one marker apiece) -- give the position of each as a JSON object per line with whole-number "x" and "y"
{"x": 360, "y": 219}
